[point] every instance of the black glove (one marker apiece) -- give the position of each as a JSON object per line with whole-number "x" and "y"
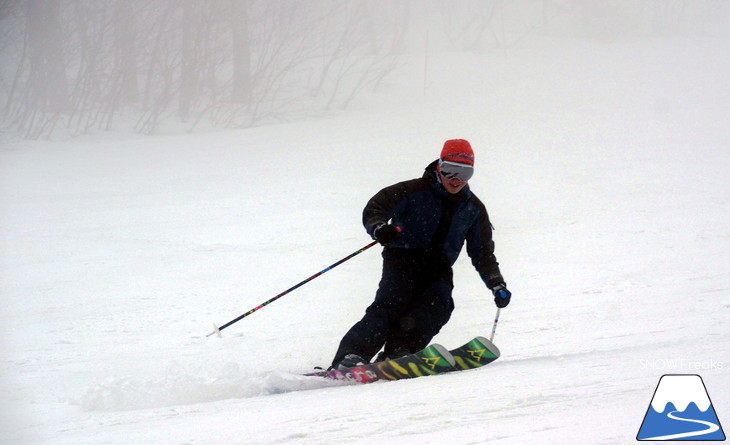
{"x": 501, "y": 295}
{"x": 385, "y": 234}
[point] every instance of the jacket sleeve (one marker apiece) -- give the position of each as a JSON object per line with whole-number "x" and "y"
{"x": 480, "y": 247}
{"x": 381, "y": 207}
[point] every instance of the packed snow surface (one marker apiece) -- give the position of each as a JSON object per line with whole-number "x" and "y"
{"x": 604, "y": 169}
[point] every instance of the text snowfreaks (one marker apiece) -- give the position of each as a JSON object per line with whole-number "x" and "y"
{"x": 681, "y": 364}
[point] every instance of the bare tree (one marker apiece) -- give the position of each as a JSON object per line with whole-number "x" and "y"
{"x": 38, "y": 94}
{"x": 48, "y": 76}
{"x": 93, "y": 64}
{"x": 125, "y": 30}
{"x": 242, "y": 82}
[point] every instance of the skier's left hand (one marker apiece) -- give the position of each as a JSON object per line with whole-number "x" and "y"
{"x": 501, "y": 295}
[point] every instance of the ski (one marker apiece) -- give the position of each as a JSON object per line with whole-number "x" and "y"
{"x": 476, "y": 353}
{"x": 435, "y": 359}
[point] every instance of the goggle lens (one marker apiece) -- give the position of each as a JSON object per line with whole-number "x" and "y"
{"x": 453, "y": 170}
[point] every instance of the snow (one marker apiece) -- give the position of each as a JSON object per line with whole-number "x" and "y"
{"x": 604, "y": 169}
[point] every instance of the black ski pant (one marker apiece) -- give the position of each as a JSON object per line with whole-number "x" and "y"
{"x": 412, "y": 304}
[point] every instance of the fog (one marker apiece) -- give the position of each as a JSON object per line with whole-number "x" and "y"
{"x": 167, "y": 165}
{"x": 71, "y": 67}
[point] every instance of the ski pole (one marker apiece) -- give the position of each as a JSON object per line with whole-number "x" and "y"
{"x": 217, "y": 330}
{"x": 494, "y": 327}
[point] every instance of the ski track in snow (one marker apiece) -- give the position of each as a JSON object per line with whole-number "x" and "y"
{"x": 176, "y": 390}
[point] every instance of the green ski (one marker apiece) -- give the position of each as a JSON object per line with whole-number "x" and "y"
{"x": 434, "y": 359}
{"x": 474, "y": 354}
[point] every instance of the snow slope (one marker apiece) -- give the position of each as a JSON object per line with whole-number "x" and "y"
{"x": 604, "y": 168}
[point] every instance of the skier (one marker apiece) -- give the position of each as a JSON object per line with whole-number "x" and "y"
{"x": 422, "y": 224}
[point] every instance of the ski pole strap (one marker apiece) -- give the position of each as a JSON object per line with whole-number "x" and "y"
{"x": 296, "y": 286}
{"x": 494, "y": 327}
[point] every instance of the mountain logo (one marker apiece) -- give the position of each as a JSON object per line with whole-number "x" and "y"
{"x": 680, "y": 409}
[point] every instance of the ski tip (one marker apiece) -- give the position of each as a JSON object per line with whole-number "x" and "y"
{"x": 444, "y": 353}
{"x": 489, "y": 345}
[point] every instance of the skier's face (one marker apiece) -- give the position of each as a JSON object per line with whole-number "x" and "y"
{"x": 453, "y": 185}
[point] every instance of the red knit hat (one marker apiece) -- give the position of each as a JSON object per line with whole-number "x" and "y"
{"x": 458, "y": 150}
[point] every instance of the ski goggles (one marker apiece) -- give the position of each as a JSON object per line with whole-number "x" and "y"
{"x": 454, "y": 170}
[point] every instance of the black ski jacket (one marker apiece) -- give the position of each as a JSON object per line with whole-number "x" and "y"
{"x": 435, "y": 224}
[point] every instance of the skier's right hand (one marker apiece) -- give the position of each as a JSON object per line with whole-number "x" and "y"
{"x": 385, "y": 234}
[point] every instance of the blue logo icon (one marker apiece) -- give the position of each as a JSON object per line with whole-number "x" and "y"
{"x": 680, "y": 410}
